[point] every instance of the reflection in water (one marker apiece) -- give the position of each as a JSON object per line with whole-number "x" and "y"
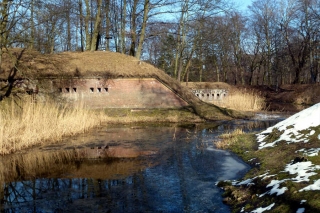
{"x": 178, "y": 176}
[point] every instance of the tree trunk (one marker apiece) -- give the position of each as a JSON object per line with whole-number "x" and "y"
{"x": 81, "y": 24}
{"x": 96, "y": 29}
{"x": 123, "y": 27}
{"x": 51, "y": 37}
{"x": 68, "y": 26}
{"x": 86, "y": 26}
{"x": 133, "y": 28}
{"x": 3, "y": 27}
{"x": 108, "y": 37}
{"x": 180, "y": 34}
{"x": 31, "y": 46}
{"x": 143, "y": 29}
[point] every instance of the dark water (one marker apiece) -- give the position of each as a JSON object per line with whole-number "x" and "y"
{"x": 179, "y": 176}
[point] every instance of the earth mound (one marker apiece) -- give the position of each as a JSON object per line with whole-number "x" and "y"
{"x": 23, "y": 63}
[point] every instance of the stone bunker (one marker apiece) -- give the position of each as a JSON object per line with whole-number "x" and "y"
{"x": 116, "y": 93}
{"x": 210, "y": 94}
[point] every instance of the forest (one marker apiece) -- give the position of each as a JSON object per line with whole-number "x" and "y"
{"x": 271, "y": 42}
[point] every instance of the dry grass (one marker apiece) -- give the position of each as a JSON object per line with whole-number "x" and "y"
{"x": 228, "y": 139}
{"x": 243, "y": 101}
{"x": 24, "y": 124}
{"x": 150, "y": 115}
{"x": 303, "y": 100}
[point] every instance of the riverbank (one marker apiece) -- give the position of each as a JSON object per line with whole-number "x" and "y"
{"x": 285, "y": 174}
{"x": 25, "y": 123}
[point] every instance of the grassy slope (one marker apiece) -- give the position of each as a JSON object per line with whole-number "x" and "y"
{"x": 31, "y": 65}
{"x": 272, "y": 161}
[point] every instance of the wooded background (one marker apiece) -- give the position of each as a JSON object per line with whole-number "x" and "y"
{"x": 272, "y": 42}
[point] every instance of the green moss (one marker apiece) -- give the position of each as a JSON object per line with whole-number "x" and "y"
{"x": 274, "y": 135}
{"x": 153, "y": 115}
{"x": 315, "y": 159}
{"x": 290, "y": 127}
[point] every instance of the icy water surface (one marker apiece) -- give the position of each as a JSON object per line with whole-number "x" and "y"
{"x": 167, "y": 168}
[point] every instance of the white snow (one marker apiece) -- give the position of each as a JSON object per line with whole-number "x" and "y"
{"x": 245, "y": 182}
{"x": 303, "y": 201}
{"x": 303, "y": 120}
{"x": 260, "y": 209}
{"x": 312, "y": 132}
{"x": 303, "y": 170}
{"x": 314, "y": 186}
{"x": 310, "y": 152}
{"x": 291, "y": 132}
{"x": 275, "y": 184}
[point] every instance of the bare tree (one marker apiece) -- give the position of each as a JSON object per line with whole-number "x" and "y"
{"x": 263, "y": 11}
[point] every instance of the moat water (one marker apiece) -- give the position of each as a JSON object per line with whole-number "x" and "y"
{"x": 175, "y": 169}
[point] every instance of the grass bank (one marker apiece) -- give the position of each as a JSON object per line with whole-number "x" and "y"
{"x": 262, "y": 186}
{"x": 24, "y": 124}
{"x": 174, "y": 115}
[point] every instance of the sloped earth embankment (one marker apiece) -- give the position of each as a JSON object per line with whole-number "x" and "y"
{"x": 285, "y": 174}
{"x": 288, "y": 98}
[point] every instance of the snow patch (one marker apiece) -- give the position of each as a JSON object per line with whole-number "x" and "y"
{"x": 305, "y": 119}
{"x": 312, "y": 132}
{"x": 310, "y": 152}
{"x": 261, "y": 209}
{"x": 302, "y": 169}
{"x": 303, "y": 201}
{"x": 275, "y": 184}
{"x": 314, "y": 186}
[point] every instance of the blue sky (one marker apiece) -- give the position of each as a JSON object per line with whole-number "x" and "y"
{"x": 242, "y": 4}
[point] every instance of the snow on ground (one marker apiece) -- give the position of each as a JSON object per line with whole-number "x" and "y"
{"x": 261, "y": 209}
{"x": 303, "y": 120}
{"x": 291, "y": 133}
{"x": 310, "y": 152}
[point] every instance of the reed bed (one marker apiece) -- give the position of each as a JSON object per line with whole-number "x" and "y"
{"x": 243, "y": 100}
{"x": 228, "y": 139}
{"x": 24, "y": 124}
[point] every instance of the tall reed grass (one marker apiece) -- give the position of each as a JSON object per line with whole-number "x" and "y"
{"x": 243, "y": 100}
{"x": 24, "y": 123}
{"x": 228, "y": 138}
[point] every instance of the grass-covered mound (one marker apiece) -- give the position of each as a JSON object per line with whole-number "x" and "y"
{"x": 23, "y": 63}
{"x": 286, "y": 166}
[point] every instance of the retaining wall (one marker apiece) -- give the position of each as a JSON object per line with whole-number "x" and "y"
{"x": 117, "y": 93}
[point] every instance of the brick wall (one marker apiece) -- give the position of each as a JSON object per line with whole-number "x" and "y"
{"x": 117, "y": 93}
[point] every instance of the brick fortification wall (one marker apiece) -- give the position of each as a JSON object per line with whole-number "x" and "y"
{"x": 117, "y": 93}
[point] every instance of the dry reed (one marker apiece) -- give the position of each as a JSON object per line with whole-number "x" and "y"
{"x": 228, "y": 138}
{"x": 242, "y": 101}
{"x": 24, "y": 124}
